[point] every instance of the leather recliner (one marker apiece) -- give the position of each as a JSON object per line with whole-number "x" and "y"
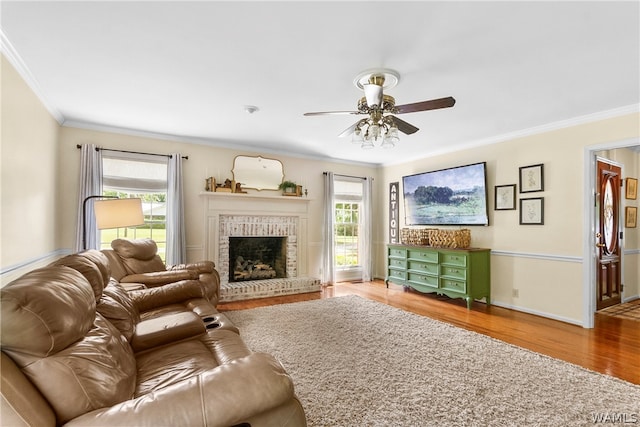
{"x": 74, "y": 353}
{"x": 137, "y": 262}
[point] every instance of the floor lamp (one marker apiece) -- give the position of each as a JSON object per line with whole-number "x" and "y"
{"x": 112, "y": 212}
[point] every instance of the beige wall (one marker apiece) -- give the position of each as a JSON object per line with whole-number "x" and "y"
{"x": 29, "y": 174}
{"x": 40, "y": 165}
{"x": 203, "y": 161}
{"x": 542, "y": 262}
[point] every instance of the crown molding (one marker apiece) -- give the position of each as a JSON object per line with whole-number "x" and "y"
{"x": 549, "y": 127}
{"x": 231, "y": 145}
{"x": 14, "y": 58}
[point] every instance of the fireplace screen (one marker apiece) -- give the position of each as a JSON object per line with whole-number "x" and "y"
{"x": 256, "y": 258}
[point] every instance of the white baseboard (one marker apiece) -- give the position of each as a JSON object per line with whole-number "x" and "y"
{"x": 537, "y": 313}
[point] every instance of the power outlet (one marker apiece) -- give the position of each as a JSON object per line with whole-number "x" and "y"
{"x": 516, "y": 293}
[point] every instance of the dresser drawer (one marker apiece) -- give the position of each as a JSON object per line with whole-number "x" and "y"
{"x": 423, "y": 279}
{"x": 399, "y": 263}
{"x": 454, "y": 259}
{"x": 397, "y": 274}
{"x": 397, "y": 252}
{"x": 422, "y": 255}
{"x": 453, "y": 285}
{"x": 423, "y": 267}
{"x": 453, "y": 272}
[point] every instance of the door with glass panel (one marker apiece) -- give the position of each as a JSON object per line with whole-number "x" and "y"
{"x": 607, "y": 237}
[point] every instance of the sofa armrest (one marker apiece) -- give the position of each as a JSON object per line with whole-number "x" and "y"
{"x": 166, "y": 329}
{"x": 200, "y": 267}
{"x": 223, "y": 396}
{"x": 173, "y": 293}
{"x": 159, "y": 278}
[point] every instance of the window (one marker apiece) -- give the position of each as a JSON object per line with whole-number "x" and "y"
{"x": 141, "y": 176}
{"x": 347, "y": 226}
{"x": 346, "y": 235}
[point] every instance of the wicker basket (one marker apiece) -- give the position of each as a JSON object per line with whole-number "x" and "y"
{"x": 415, "y": 236}
{"x": 450, "y": 238}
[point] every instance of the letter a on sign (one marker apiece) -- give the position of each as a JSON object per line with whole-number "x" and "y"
{"x": 394, "y": 189}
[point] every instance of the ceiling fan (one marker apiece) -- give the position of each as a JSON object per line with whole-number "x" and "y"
{"x": 381, "y": 123}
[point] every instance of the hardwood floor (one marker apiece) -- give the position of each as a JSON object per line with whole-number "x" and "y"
{"x": 612, "y": 347}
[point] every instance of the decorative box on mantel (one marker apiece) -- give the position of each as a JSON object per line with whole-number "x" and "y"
{"x": 256, "y": 215}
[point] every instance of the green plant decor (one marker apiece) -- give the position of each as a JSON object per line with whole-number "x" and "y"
{"x": 285, "y": 185}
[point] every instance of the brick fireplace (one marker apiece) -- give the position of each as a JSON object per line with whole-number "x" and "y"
{"x": 257, "y": 226}
{"x": 247, "y": 215}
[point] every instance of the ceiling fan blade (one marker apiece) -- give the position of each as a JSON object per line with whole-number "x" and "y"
{"x": 403, "y": 126}
{"x": 327, "y": 113}
{"x": 433, "y": 104}
{"x": 349, "y": 130}
{"x": 373, "y": 93}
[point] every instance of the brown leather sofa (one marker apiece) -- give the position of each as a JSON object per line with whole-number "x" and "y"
{"x": 80, "y": 350}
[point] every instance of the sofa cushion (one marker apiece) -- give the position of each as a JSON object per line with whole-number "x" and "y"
{"x": 115, "y": 264}
{"x": 101, "y": 261}
{"x": 138, "y": 256}
{"x": 55, "y": 306}
{"x": 97, "y": 371}
{"x": 86, "y": 265}
{"x": 118, "y": 308}
{"x": 165, "y": 366}
{"x": 142, "y": 249}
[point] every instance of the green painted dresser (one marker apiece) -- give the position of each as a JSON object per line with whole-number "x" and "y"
{"x": 456, "y": 273}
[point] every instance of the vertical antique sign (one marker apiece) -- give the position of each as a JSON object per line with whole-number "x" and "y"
{"x": 394, "y": 211}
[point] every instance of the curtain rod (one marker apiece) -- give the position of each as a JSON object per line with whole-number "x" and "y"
{"x": 349, "y": 176}
{"x": 134, "y": 152}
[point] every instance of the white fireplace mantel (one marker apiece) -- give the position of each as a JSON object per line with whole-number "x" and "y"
{"x": 254, "y": 196}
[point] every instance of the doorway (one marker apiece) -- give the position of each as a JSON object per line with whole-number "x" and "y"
{"x": 608, "y": 262}
{"x": 589, "y": 252}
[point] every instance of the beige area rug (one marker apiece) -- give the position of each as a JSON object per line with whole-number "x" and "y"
{"x": 355, "y": 362}
{"x": 628, "y": 310}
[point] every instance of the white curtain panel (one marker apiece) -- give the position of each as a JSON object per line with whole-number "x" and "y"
{"x": 90, "y": 185}
{"x": 176, "y": 252}
{"x": 366, "y": 227}
{"x": 328, "y": 276}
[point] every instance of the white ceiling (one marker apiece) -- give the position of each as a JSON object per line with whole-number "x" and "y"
{"x": 187, "y": 69}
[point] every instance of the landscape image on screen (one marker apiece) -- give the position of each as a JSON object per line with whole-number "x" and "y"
{"x": 454, "y": 196}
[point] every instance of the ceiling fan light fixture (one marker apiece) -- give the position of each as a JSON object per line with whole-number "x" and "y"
{"x": 387, "y": 142}
{"x": 357, "y": 138}
{"x": 374, "y": 131}
{"x": 380, "y": 126}
{"x": 392, "y": 134}
{"x": 367, "y": 144}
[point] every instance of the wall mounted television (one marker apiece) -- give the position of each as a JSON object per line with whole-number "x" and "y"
{"x": 453, "y": 196}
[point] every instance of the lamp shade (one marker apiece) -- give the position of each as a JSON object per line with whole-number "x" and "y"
{"x": 116, "y": 213}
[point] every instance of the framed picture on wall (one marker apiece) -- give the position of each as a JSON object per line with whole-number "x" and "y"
{"x": 505, "y": 197}
{"x": 532, "y": 211}
{"x": 630, "y": 217}
{"x": 631, "y": 188}
{"x": 531, "y": 178}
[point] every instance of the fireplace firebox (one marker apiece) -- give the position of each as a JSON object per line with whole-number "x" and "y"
{"x": 257, "y": 258}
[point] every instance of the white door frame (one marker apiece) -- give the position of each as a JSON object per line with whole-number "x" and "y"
{"x": 588, "y": 226}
